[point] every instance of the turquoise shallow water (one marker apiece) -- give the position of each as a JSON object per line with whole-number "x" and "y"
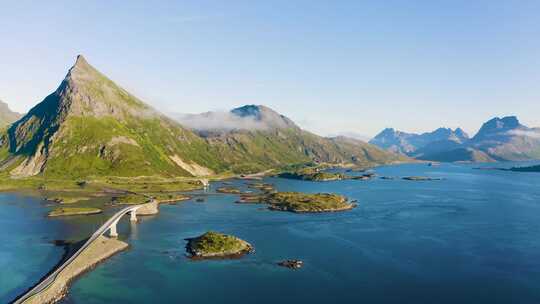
{"x": 473, "y": 237}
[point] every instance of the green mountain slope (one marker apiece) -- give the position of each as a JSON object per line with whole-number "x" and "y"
{"x": 91, "y": 127}
{"x": 253, "y": 138}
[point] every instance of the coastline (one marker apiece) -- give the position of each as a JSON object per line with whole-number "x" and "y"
{"x": 100, "y": 250}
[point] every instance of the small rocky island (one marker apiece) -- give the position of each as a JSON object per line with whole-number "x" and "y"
{"x": 421, "y": 178}
{"x": 308, "y": 203}
{"x": 229, "y": 190}
{"x": 291, "y": 264}
{"x": 67, "y": 211}
{"x": 263, "y": 187}
{"x": 313, "y": 174}
{"x": 318, "y": 174}
{"x": 217, "y": 245}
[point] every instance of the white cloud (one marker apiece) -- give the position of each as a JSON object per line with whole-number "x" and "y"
{"x": 219, "y": 121}
{"x": 533, "y": 133}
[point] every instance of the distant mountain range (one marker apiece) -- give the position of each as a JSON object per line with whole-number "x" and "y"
{"x": 7, "y": 116}
{"x": 412, "y": 144}
{"x": 90, "y": 127}
{"x": 499, "y": 139}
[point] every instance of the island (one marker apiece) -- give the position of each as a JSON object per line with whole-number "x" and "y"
{"x": 308, "y": 203}
{"x": 229, "y": 190}
{"x": 313, "y": 174}
{"x": 264, "y": 187}
{"x": 421, "y": 178}
{"x": 67, "y": 211}
{"x": 251, "y": 198}
{"x": 291, "y": 264}
{"x": 318, "y": 174}
{"x": 217, "y": 245}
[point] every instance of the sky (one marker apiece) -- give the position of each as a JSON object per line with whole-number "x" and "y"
{"x": 331, "y": 66}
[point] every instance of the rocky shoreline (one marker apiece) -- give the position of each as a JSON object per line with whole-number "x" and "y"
{"x": 101, "y": 249}
{"x": 298, "y": 202}
{"x": 74, "y": 211}
{"x": 286, "y": 208}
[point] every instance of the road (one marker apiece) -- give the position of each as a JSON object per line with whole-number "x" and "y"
{"x": 46, "y": 282}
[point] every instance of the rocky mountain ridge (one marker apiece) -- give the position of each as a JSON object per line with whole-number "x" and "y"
{"x": 499, "y": 139}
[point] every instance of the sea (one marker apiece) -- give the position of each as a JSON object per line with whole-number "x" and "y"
{"x": 471, "y": 237}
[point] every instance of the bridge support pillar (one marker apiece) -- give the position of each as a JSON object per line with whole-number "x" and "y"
{"x": 205, "y": 183}
{"x": 133, "y": 216}
{"x": 112, "y": 231}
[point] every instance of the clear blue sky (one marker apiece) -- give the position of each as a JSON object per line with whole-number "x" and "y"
{"x": 330, "y": 65}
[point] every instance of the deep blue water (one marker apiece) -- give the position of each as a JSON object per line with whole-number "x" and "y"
{"x": 473, "y": 237}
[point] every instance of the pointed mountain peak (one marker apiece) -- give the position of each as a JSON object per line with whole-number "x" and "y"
{"x": 88, "y": 92}
{"x": 389, "y": 131}
{"x": 81, "y": 61}
{"x": 83, "y": 71}
{"x": 460, "y": 133}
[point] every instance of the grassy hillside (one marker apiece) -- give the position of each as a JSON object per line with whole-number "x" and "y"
{"x": 90, "y": 127}
{"x": 251, "y": 151}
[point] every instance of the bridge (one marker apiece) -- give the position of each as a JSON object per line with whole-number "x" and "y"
{"x": 109, "y": 225}
{"x": 205, "y": 182}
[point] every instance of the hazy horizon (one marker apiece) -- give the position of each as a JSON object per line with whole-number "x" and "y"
{"x": 332, "y": 68}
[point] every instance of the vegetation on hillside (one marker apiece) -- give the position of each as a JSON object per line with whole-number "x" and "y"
{"x": 214, "y": 244}
{"x": 92, "y": 130}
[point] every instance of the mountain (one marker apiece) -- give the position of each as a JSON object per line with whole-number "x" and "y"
{"x": 255, "y": 137}
{"x": 7, "y": 116}
{"x": 415, "y": 145}
{"x": 249, "y": 117}
{"x": 90, "y": 126}
{"x": 507, "y": 139}
{"x": 499, "y": 139}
